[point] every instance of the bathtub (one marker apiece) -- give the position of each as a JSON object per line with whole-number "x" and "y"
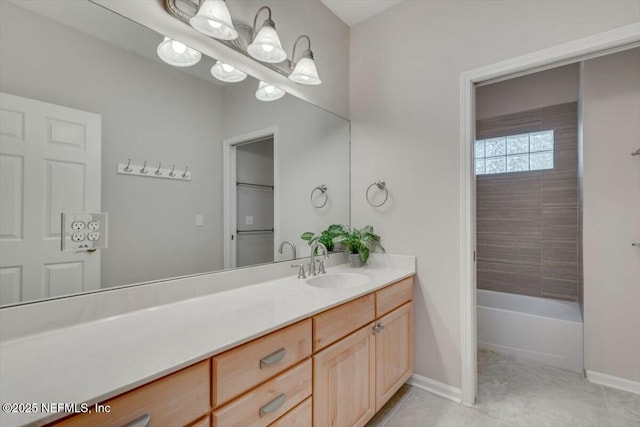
{"x": 545, "y": 330}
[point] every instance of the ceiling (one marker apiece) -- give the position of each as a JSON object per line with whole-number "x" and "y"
{"x": 355, "y": 11}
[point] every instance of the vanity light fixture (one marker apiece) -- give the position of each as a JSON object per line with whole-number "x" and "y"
{"x": 305, "y": 71}
{"x": 268, "y": 92}
{"x": 227, "y": 73}
{"x": 213, "y": 19}
{"x": 266, "y": 46}
{"x": 177, "y": 54}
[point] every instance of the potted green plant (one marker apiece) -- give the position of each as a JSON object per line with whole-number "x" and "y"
{"x": 359, "y": 242}
{"x": 325, "y": 236}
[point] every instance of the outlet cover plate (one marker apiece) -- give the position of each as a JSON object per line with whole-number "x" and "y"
{"x": 77, "y": 235}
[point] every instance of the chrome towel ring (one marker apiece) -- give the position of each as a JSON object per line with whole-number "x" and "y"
{"x": 323, "y": 189}
{"x": 381, "y": 186}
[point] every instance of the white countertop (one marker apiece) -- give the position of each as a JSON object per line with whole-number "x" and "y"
{"x": 97, "y": 360}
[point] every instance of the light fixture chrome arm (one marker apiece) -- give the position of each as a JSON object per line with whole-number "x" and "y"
{"x": 266, "y": 22}
{"x": 293, "y": 54}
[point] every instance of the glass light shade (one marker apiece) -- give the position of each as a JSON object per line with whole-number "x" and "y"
{"x": 227, "y": 73}
{"x": 177, "y": 54}
{"x": 268, "y": 92}
{"x": 267, "y": 47}
{"x": 305, "y": 72}
{"x": 213, "y": 19}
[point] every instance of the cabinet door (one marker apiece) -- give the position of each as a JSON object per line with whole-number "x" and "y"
{"x": 344, "y": 382}
{"x": 394, "y": 352}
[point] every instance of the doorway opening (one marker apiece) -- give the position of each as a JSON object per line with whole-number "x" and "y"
{"x": 250, "y": 194}
{"x": 580, "y": 50}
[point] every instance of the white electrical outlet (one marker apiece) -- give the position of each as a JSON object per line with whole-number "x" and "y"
{"x": 248, "y": 220}
{"x": 199, "y": 220}
{"x": 80, "y": 231}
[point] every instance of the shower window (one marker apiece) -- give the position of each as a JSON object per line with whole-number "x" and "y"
{"x": 515, "y": 153}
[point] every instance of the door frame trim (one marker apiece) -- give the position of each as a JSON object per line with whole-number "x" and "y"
{"x": 229, "y": 201}
{"x": 608, "y": 42}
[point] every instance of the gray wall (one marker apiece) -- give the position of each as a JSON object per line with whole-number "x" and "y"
{"x": 527, "y": 222}
{"x": 542, "y": 89}
{"x": 611, "y": 108}
{"x": 150, "y": 111}
{"x": 405, "y": 66}
{"x": 309, "y": 150}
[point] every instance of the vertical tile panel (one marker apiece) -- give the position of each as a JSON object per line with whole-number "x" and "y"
{"x": 527, "y": 223}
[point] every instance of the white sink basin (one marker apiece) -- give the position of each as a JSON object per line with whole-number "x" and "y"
{"x": 338, "y": 280}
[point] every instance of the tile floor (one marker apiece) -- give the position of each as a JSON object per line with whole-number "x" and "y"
{"x": 512, "y": 393}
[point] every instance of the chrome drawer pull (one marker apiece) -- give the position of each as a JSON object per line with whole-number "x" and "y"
{"x": 273, "y": 358}
{"x": 143, "y": 421}
{"x": 273, "y": 406}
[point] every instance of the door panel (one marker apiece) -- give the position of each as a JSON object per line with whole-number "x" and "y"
{"x": 49, "y": 164}
{"x": 11, "y": 185}
{"x": 394, "y": 353}
{"x": 344, "y": 382}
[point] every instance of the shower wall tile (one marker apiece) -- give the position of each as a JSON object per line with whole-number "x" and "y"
{"x": 560, "y": 251}
{"x": 512, "y": 227}
{"x": 560, "y": 289}
{"x": 560, "y": 189}
{"x": 513, "y": 278}
{"x": 527, "y": 121}
{"x": 514, "y": 254}
{"x": 524, "y": 214}
{"x": 560, "y": 270}
{"x": 527, "y": 223}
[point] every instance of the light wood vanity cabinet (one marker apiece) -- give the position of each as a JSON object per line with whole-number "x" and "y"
{"x": 335, "y": 369}
{"x": 356, "y": 376}
{"x": 344, "y": 381}
{"x": 244, "y": 367}
{"x": 175, "y": 400}
{"x": 394, "y": 352}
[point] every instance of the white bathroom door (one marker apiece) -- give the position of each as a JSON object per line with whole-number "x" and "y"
{"x": 49, "y": 164}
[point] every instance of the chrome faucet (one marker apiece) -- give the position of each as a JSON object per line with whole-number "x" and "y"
{"x": 290, "y": 243}
{"x": 312, "y": 259}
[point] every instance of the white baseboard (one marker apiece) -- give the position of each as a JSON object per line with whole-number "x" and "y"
{"x": 436, "y": 387}
{"x": 614, "y": 382}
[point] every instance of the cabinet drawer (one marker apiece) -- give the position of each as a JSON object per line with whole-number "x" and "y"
{"x": 174, "y": 400}
{"x": 330, "y": 326}
{"x": 264, "y": 404}
{"x": 394, "y": 296}
{"x": 202, "y": 422}
{"x": 300, "y": 416}
{"x": 244, "y": 367}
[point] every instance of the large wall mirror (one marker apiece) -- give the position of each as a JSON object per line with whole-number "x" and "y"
{"x": 83, "y": 91}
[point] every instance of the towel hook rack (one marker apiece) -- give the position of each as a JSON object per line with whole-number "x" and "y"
{"x": 132, "y": 169}
{"x": 323, "y": 190}
{"x": 382, "y": 185}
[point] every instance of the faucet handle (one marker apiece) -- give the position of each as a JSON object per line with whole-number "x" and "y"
{"x": 321, "y": 269}
{"x": 301, "y": 273}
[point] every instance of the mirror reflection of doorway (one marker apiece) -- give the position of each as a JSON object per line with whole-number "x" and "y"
{"x": 254, "y": 198}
